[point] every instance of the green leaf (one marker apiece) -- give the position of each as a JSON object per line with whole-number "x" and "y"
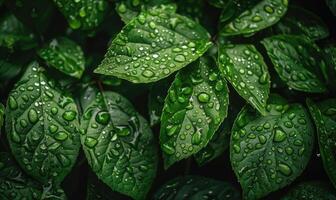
{"x": 42, "y": 127}
{"x": 311, "y": 191}
{"x": 195, "y": 188}
{"x": 83, "y": 14}
{"x": 329, "y": 72}
{"x": 220, "y": 3}
{"x": 192, "y": 8}
{"x": 300, "y": 21}
{"x": 324, "y": 115}
{"x": 14, "y": 35}
{"x": 118, "y": 143}
{"x": 8, "y": 70}
{"x": 195, "y": 106}
{"x": 154, "y": 45}
{"x": 297, "y": 61}
{"x": 14, "y": 184}
{"x": 156, "y": 98}
{"x": 269, "y": 152}
{"x": 243, "y": 66}
{"x": 332, "y": 6}
{"x": 64, "y": 55}
{"x": 264, "y": 14}
{"x": 2, "y": 114}
{"x": 129, "y": 9}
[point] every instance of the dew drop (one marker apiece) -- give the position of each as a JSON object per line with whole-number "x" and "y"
{"x": 285, "y": 169}
{"x": 90, "y": 142}
{"x": 103, "y": 117}
{"x": 279, "y": 135}
{"x": 32, "y": 116}
{"x": 61, "y": 136}
{"x": 69, "y": 115}
{"x": 203, "y": 97}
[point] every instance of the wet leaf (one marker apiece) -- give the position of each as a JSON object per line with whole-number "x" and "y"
{"x": 332, "y": 6}
{"x": 195, "y": 188}
{"x": 264, "y": 14}
{"x": 297, "y": 60}
{"x": 42, "y": 127}
{"x": 311, "y": 191}
{"x": 2, "y": 114}
{"x": 154, "y": 45}
{"x": 83, "y": 14}
{"x": 299, "y": 21}
{"x": 14, "y": 35}
{"x": 118, "y": 143}
{"x": 129, "y": 9}
{"x": 244, "y": 67}
{"x": 14, "y": 184}
{"x": 269, "y": 152}
{"x": 64, "y": 55}
{"x": 195, "y": 106}
{"x": 324, "y": 115}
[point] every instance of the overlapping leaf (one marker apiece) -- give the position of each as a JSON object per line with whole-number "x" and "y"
{"x": 42, "y": 127}
{"x": 297, "y": 61}
{"x": 118, "y": 143}
{"x": 195, "y": 106}
{"x": 64, "y": 55}
{"x": 269, "y": 152}
{"x": 154, "y": 45}
{"x": 311, "y": 191}
{"x": 243, "y": 66}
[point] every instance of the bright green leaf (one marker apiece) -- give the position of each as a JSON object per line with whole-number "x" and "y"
{"x": 195, "y": 188}
{"x": 14, "y": 35}
{"x": 64, "y": 55}
{"x": 243, "y": 66}
{"x": 118, "y": 143}
{"x": 311, "y": 191}
{"x": 269, "y": 152}
{"x": 195, "y": 106}
{"x": 42, "y": 127}
{"x": 324, "y": 115}
{"x": 83, "y": 14}
{"x": 14, "y": 184}
{"x": 300, "y": 21}
{"x": 154, "y": 45}
{"x": 129, "y": 9}
{"x": 297, "y": 61}
{"x": 264, "y": 14}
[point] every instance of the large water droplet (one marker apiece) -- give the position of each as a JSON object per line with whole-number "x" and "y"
{"x": 285, "y": 169}
{"x": 61, "y": 136}
{"x": 203, "y": 97}
{"x": 279, "y": 135}
{"x": 180, "y": 58}
{"x": 168, "y": 149}
{"x": 171, "y": 129}
{"x": 103, "y": 117}
{"x": 32, "y": 116}
{"x": 69, "y": 115}
{"x": 12, "y": 103}
{"x": 197, "y": 138}
{"x": 123, "y": 131}
{"x": 90, "y": 142}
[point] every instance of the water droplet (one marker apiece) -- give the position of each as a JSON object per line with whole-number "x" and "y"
{"x": 256, "y": 18}
{"x": 69, "y": 115}
{"x": 123, "y": 131}
{"x": 262, "y": 139}
{"x": 180, "y": 58}
{"x": 61, "y": 136}
{"x": 285, "y": 169}
{"x": 53, "y": 128}
{"x": 103, "y": 117}
{"x": 268, "y": 9}
{"x": 12, "y": 103}
{"x": 168, "y": 149}
{"x": 32, "y": 116}
{"x": 330, "y": 111}
{"x": 74, "y": 23}
{"x": 171, "y": 129}
{"x": 197, "y": 138}
{"x": 279, "y": 135}
{"x": 15, "y": 136}
{"x": 263, "y": 79}
{"x": 203, "y": 97}
{"x": 122, "y": 8}
{"x": 236, "y": 148}
{"x": 148, "y": 73}
{"x": 90, "y": 142}
{"x": 54, "y": 110}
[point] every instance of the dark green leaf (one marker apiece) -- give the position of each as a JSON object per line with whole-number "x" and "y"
{"x": 191, "y": 8}
{"x": 2, "y": 114}
{"x": 154, "y": 45}
{"x": 14, "y": 35}
{"x": 129, "y": 9}
{"x": 300, "y": 21}
{"x": 196, "y": 188}
{"x": 195, "y": 106}
{"x": 42, "y": 127}
{"x": 329, "y": 72}
{"x": 243, "y": 66}
{"x": 15, "y": 185}
{"x": 220, "y": 3}
{"x": 264, "y": 14}
{"x": 332, "y": 6}
{"x": 64, "y": 55}
{"x": 297, "y": 61}
{"x": 83, "y": 14}
{"x": 269, "y": 152}
{"x": 156, "y": 98}
{"x": 324, "y": 115}
{"x": 311, "y": 191}
{"x": 8, "y": 70}
{"x": 118, "y": 143}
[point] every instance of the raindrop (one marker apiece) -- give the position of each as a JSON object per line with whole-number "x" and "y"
{"x": 90, "y": 142}
{"x": 103, "y": 117}
{"x": 69, "y": 115}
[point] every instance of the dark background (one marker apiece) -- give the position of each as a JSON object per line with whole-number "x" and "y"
{"x": 75, "y": 184}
